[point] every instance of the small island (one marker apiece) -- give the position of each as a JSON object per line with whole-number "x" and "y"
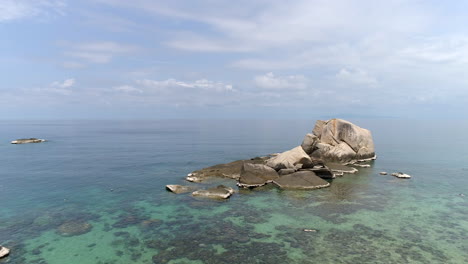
{"x": 28, "y": 140}
{"x": 333, "y": 148}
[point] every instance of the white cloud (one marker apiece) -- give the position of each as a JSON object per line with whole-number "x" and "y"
{"x": 291, "y": 82}
{"x": 448, "y": 49}
{"x": 173, "y": 84}
{"x": 55, "y": 88}
{"x": 356, "y": 76}
{"x": 73, "y": 65}
{"x": 65, "y": 84}
{"x": 19, "y": 9}
{"x": 99, "y": 52}
{"x": 127, "y": 89}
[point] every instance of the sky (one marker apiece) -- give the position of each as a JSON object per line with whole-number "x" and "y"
{"x": 262, "y": 59}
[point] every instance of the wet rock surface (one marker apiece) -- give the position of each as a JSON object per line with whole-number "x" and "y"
{"x": 218, "y": 192}
{"x": 180, "y": 188}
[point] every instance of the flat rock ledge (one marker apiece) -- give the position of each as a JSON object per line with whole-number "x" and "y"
{"x": 180, "y": 188}
{"x": 301, "y": 180}
{"x": 4, "y": 252}
{"x": 219, "y": 192}
{"x": 28, "y": 140}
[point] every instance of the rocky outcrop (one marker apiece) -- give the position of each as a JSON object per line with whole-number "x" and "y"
{"x": 219, "y": 192}
{"x": 323, "y": 154}
{"x": 290, "y": 159}
{"x": 341, "y": 141}
{"x": 27, "y": 140}
{"x": 254, "y": 175}
{"x": 180, "y": 188}
{"x": 304, "y": 180}
{"x": 4, "y": 252}
{"x": 229, "y": 170}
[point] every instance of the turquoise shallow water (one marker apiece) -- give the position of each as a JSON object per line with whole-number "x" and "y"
{"x": 105, "y": 181}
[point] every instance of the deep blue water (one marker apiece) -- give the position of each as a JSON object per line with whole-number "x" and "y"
{"x": 108, "y": 178}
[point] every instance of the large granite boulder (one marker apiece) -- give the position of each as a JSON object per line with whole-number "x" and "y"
{"x": 254, "y": 175}
{"x": 309, "y": 142}
{"x": 301, "y": 180}
{"x": 27, "y": 140}
{"x": 218, "y": 192}
{"x": 230, "y": 170}
{"x": 341, "y": 141}
{"x": 4, "y": 252}
{"x": 289, "y": 159}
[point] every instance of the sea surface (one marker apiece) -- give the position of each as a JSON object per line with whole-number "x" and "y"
{"x": 95, "y": 193}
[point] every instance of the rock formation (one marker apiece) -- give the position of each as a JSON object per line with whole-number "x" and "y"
{"x": 4, "y": 252}
{"x": 339, "y": 140}
{"x": 323, "y": 154}
{"x": 254, "y": 175}
{"x": 27, "y": 140}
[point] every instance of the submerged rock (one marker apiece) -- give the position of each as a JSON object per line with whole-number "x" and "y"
{"x": 401, "y": 175}
{"x": 4, "y": 251}
{"x": 27, "y": 140}
{"x": 74, "y": 228}
{"x": 289, "y": 159}
{"x": 180, "y": 188}
{"x": 219, "y": 192}
{"x": 301, "y": 180}
{"x": 254, "y": 175}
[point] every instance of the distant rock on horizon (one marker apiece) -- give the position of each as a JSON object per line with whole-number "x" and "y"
{"x": 28, "y": 140}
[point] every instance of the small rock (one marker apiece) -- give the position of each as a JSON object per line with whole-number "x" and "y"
{"x": 4, "y": 251}
{"x": 401, "y": 175}
{"x": 383, "y": 173}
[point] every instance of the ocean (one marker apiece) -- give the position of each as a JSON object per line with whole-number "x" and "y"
{"x": 95, "y": 194}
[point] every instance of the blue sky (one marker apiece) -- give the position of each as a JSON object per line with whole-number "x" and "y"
{"x": 233, "y": 59}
